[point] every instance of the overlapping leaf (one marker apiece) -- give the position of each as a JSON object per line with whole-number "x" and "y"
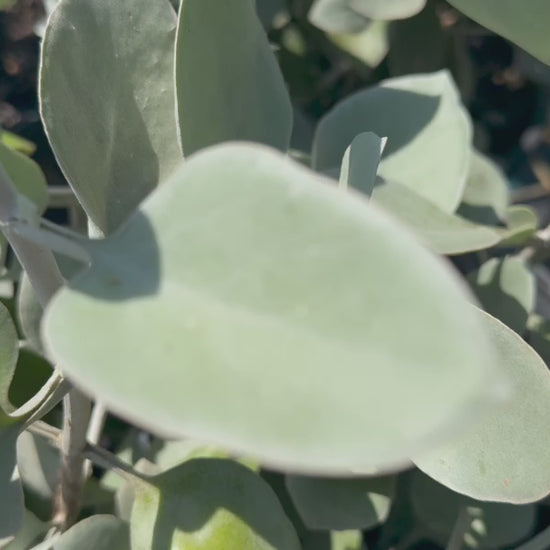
{"x": 248, "y": 303}
{"x": 427, "y": 128}
{"x": 100, "y": 532}
{"x": 506, "y": 288}
{"x": 209, "y": 504}
{"x": 228, "y": 83}
{"x": 505, "y": 456}
{"x": 341, "y": 504}
{"x": 107, "y": 101}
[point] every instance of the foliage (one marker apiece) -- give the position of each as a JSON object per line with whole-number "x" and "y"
{"x": 277, "y": 314}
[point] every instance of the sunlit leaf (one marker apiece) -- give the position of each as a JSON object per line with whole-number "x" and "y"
{"x": 506, "y": 288}
{"x": 17, "y": 143}
{"x": 340, "y": 504}
{"x": 360, "y": 162}
{"x": 525, "y": 22}
{"x": 505, "y": 456}
{"x": 444, "y": 233}
{"x": 369, "y": 46}
{"x": 254, "y": 282}
{"x": 428, "y": 133}
{"x": 210, "y": 504}
{"x": 107, "y": 101}
{"x": 228, "y": 83}
{"x": 491, "y": 525}
{"x": 522, "y": 222}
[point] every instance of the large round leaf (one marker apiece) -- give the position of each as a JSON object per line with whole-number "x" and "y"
{"x": 101, "y": 532}
{"x": 491, "y": 525}
{"x": 340, "y": 504}
{"x": 209, "y": 504}
{"x": 251, "y": 303}
{"x": 427, "y": 128}
{"x": 107, "y": 101}
{"x": 506, "y": 288}
{"x": 505, "y": 457}
{"x": 228, "y": 83}
{"x": 524, "y": 22}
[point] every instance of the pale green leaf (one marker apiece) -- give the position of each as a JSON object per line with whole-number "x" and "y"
{"x": 491, "y": 525}
{"x": 524, "y": 22}
{"x": 17, "y": 143}
{"x": 506, "y": 288}
{"x": 505, "y": 456}
{"x": 107, "y": 101}
{"x": 340, "y": 504}
{"x": 100, "y": 532}
{"x": 387, "y": 9}
{"x": 269, "y": 323}
{"x": 427, "y": 128}
{"x": 486, "y": 196}
{"x": 29, "y": 312}
{"x": 444, "y": 233}
{"x": 209, "y": 504}
{"x": 360, "y": 162}
{"x": 228, "y": 83}
{"x": 522, "y": 223}
{"x": 337, "y": 16}
{"x": 26, "y": 176}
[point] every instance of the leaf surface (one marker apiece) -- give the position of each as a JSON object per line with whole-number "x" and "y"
{"x": 107, "y": 101}
{"x": 503, "y": 457}
{"x": 428, "y": 133}
{"x": 248, "y": 303}
{"x": 229, "y": 86}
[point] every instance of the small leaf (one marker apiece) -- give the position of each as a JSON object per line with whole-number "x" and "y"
{"x": 251, "y": 278}
{"x": 427, "y": 128}
{"x": 506, "y": 288}
{"x": 100, "y": 532}
{"x": 26, "y": 176}
{"x": 505, "y": 456}
{"x": 522, "y": 223}
{"x": 388, "y": 9}
{"x": 442, "y": 232}
{"x": 492, "y": 525}
{"x": 107, "y": 101}
{"x": 228, "y": 83}
{"x": 360, "y": 162}
{"x": 340, "y": 504}
{"x": 29, "y": 312}
{"x": 370, "y": 46}
{"x": 525, "y": 22}
{"x": 486, "y": 196}
{"x": 17, "y": 143}
{"x": 337, "y": 16}
{"x": 353, "y": 16}
{"x": 210, "y": 504}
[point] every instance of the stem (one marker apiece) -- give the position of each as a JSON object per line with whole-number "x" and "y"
{"x": 76, "y": 416}
{"x": 94, "y": 453}
{"x": 456, "y": 540}
{"x": 44, "y": 275}
{"x": 97, "y": 422}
